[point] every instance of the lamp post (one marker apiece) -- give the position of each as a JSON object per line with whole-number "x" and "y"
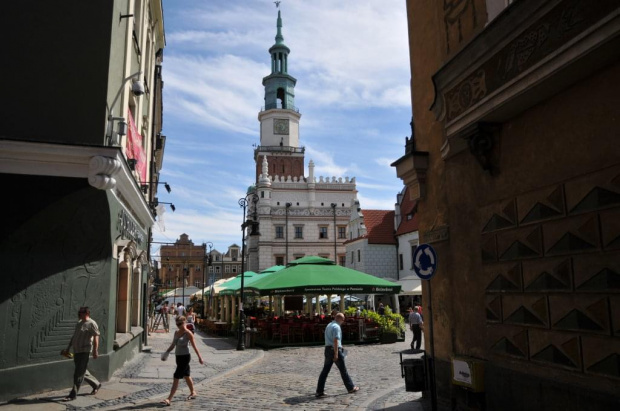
{"x": 288, "y": 205}
{"x": 335, "y": 252}
{"x": 204, "y": 274}
{"x": 185, "y": 274}
{"x": 243, "y": 203}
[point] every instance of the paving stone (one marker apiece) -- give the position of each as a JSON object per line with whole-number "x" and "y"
{"x": 107, "y": 394}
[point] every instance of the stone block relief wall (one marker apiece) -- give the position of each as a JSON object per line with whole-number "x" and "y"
{"x": 57, "y": 261}
{"x": 551, "y": 262}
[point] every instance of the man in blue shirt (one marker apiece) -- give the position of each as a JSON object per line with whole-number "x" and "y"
{"x": 334, "y": 354}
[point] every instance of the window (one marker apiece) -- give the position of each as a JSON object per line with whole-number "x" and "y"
{"x": 359, "y": 255}
{"x": 227, "y": 269}
{"x": 323, "y": 231}
{"x": 342, "y": 231}
{"x": 279, "y": 231}
{"x": 352, "y": 258}
{"x": 413, "y": 248}
{"x": 197, "y": 268}
{"x": 217, "y": 258}
{"x": 217, "y": 269}
{"x": 197, "y": 284}
{"x": 400, "y": 261}
{"x": 342, "y": 260}
{"x": 409, "y": 216}
{"x": 234, "y": 269}
{"x": 298, "y": 256}
{"x": 279, "y": 260}
{"x": 299, "y": 231}
{"x": 210, "y": 269}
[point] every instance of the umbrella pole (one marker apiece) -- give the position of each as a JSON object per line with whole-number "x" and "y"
{"x": 342, "y": 307}
{"x": 318, "y": 304}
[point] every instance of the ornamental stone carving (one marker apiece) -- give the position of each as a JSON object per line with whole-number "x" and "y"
{"x": 101, "y": 171}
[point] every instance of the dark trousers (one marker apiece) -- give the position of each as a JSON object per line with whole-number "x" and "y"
{"x": 80, "y": 360}
{"x": 327, "y": 366}
{"x": 417, "y": 336}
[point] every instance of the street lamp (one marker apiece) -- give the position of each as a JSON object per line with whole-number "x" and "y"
{"x": 185, "y": 275}
{"x": 335, "y": 252}
{"x": 287, "y": 205}
{"x": 204, "y": 274}
{"x": 243, "y": 202}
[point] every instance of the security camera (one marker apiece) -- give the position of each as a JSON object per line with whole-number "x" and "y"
{"x": 137, "y": 88}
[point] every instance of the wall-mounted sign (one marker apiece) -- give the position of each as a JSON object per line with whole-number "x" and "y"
{"x": 128, "y": 228}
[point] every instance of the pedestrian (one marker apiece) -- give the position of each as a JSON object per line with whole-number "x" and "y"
{"x": 164, "y": 316}
{"x": 191, "y": 317}
{"x": 180, "y": 309}
{"x": 85, "y": 338}
{"x": 416, "y": 324}
{"x": 180, "y": 342}
{"x": 381, "y": 309}
{"x": 334, "y": 354}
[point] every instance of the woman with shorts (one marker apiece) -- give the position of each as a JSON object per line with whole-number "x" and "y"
{"x": 180, "y": 343}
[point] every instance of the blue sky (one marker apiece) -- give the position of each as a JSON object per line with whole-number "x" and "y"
{"x": 350, "y": 58}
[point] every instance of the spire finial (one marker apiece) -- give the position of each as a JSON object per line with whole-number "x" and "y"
{"x": 277, "y": 3}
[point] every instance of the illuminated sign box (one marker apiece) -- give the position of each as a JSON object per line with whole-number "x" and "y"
{"x": 468, "y": 372}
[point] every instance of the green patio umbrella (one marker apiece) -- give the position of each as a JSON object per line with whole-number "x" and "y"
{"x": 273, "y": 269}
{"x": 230, "y": 287}
{"x": 317, "y": 275}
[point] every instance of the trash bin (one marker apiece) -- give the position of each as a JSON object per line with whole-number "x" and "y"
{"x": 414, "y": 372}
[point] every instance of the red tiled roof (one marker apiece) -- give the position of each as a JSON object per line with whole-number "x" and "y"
{"x": 407, "y": 207}
{"x": 379, "y": 226}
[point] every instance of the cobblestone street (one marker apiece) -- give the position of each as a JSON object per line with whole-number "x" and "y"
{"x": 245, "y": 380}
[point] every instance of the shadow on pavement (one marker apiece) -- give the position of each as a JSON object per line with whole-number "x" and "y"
{"x": 35, "y": 401}
{"x": 304, "y": 399}
{"x": 146, "y": 406}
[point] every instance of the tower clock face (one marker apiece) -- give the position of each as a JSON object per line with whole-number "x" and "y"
{"x": 280, "y": 126}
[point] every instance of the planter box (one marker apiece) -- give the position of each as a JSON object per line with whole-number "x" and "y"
{"x": 388, "y": 338}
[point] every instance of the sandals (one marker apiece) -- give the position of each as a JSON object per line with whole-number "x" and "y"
{"x": 68, "y": 399}
{"x": 192, "y": 396}
{"x": 95, "y": 390}
{"x": 165, "y": 402}
{"x": 354, "y": 390}
{"x": 319, "y": 394}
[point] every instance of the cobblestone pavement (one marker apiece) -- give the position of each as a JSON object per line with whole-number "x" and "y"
{"x": 249, "y": 380}
{"x": 286, "y": 378}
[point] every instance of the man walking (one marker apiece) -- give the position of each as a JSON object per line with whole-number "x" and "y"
{"x": 416, "y": 324}
{"x": 334, "y": 354}
{"x": 85, "y": 338}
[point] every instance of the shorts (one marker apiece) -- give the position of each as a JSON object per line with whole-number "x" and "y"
{"x": 182, "y": 366}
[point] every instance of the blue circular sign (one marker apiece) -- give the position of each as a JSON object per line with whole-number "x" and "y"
{"x": 425, "y": 261}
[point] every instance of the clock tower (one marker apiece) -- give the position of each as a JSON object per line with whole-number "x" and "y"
{"x": 279, "y": 118}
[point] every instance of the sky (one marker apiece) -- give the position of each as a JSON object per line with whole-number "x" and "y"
{"x": 351, "y": 62}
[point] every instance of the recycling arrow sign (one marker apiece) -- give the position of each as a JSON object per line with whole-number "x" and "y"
{"x": 425, "y": 261}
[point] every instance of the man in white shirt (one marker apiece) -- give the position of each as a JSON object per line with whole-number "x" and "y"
{"x": 416, "y": 323}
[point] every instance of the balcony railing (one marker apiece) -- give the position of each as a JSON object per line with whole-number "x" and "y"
{"x": 279, "y": 107}
{"x": 284, "y": 149}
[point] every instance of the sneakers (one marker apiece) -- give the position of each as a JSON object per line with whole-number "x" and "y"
{"x": 319, "y": 394}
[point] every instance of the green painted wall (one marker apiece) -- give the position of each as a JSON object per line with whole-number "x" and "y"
{"x": 56, "y": 249}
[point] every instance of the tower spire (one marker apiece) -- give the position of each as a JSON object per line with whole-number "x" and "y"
{"x": 279, "y": 37}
